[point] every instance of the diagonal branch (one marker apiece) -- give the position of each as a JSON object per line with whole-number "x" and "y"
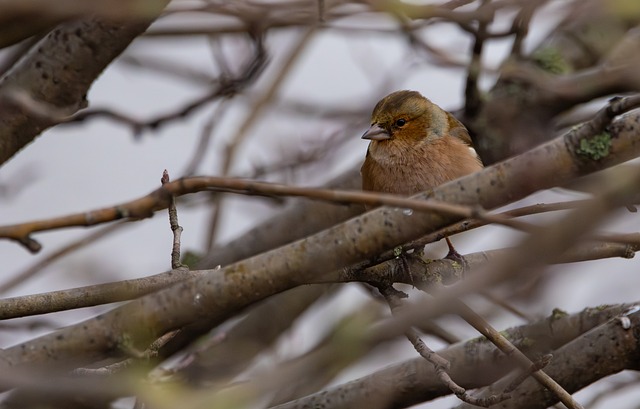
{"x": 411, "y": 382}
{"x": 422, "y": 273}
{"x": 59, "y": 70}
{"x": 217, "y": 295}
{"x": 161, "y": 199}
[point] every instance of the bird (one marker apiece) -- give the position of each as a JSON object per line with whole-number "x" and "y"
{"x": 415, "y": 146}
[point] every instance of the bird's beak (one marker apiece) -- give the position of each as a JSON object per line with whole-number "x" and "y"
{"x": 376, "y": 133}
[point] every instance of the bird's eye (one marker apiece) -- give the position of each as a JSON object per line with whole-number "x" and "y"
{"x": 400, "y": 122}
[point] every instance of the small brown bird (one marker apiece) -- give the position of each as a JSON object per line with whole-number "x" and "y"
{"x": 415, "y": 146}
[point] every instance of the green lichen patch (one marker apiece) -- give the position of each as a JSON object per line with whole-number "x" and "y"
{"x": 557, "y": 313}
{"x": 595, "y": 147}
{"x": 551, "y": 60}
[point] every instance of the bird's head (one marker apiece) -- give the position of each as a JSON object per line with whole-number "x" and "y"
{"x": 407, "y": 115}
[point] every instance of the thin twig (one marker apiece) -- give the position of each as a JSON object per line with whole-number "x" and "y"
{"x": 175, "y": 227}
{"x": 205, "y": 138}
{"x": 520, "y": 26}
{"x": 225, "y": 87}
{"x": 441, "y": 365}
{"x": 161, "y": 198}
{"x": 504, "y": 345}
{"x": 255, "y": 113}
{"x": 538, "y": 365}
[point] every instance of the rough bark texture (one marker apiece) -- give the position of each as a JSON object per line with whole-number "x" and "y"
{"x": 58, "y": 72}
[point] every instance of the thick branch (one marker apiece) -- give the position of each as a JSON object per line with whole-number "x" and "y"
{"x": 408, "y": 270}
{"x": 614, "y": 346}
{"x": 59, "y": 70}
{"x": 221, "y": 293}
{"x": 414, "y": 381}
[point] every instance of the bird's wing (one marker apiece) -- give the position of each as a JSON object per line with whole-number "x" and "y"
{"x": 459, "y": 131}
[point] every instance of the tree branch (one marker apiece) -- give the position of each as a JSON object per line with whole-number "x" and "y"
{"x": 59, "y": 70}
{"x": 218, "y": 295}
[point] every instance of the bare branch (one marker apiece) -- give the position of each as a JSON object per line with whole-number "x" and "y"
{"x": 161, "y": 199}
{"x": 414, "y": 381}
{"x": 69, "y": 51}
{"x": 210, "y": 296}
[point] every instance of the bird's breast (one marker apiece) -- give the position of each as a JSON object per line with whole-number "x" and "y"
{"x": 411, "y": 169}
